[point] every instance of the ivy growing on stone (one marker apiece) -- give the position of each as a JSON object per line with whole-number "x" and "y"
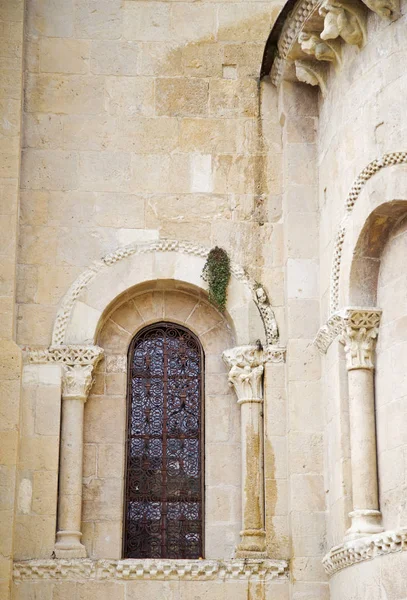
{"x": 216, "y": 273}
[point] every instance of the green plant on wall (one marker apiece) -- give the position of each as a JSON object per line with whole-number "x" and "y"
{"x": 216, "y": 273}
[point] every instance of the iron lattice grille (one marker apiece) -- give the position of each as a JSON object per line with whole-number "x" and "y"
{"x": 164, "y": 482}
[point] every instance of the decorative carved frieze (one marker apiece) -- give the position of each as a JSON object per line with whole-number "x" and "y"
{"x": 357, "y": 328}
{"x": 359, "y": 335}
{"x": 343, "y": 19}
{"x": 66, "y": 355}
{"x": 130, "y": 569}
{"x": 351, "y": 553}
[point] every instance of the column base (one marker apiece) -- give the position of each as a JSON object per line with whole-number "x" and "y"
{"x": 68, "y": 545}
{"x": 252, "y": 545}
{"x": 364, "y": 523}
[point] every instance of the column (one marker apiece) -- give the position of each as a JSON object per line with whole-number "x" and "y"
{"x": 76, "y": 384}
{"x": 245, "y": 375}
{"x": 360, "y": 332}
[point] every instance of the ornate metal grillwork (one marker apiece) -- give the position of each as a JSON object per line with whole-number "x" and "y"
{"x": 164, "y": 476}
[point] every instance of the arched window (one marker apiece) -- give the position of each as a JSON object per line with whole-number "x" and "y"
{"x": 163, "y": 513}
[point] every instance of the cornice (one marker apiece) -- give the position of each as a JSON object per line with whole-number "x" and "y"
{"x": 68, "y": 356}
{"x": 133, "y": 569}
{"x": 316, "y": 29}
{"x": 351, "y": 553}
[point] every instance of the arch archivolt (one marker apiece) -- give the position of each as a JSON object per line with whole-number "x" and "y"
{"x": 95, "y": 290}
{"x": 373, "y": 206}
{"x": 105, "y": 410}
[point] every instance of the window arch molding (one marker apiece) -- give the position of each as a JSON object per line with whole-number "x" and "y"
{"x": 106, "y": 407}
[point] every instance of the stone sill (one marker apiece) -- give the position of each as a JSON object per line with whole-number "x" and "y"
{"x": 368, "y": 548}
{"x": 133, "y": 569}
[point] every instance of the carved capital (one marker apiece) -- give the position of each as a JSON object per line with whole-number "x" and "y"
{"x": 76, "y": 382}
{"x": 246, "y": 371}
{"x": 343, "y": 19}
{"x": 361, "y": 328}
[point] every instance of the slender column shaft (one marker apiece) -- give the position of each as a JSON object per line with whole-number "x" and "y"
{"x": 361, "y": 329}
{"x": 245, "y": 375}
{"x": 76, "y": 384}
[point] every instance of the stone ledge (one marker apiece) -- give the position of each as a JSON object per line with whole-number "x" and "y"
{"x": 356, "y": 551}
{"x": 131, "y": 569}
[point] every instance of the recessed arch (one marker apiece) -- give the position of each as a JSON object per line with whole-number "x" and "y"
{"x": 97, "y": 289}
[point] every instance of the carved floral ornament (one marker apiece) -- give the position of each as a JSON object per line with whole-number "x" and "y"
{"x": 314, "y": 32}
{"x": 357, "y": 329}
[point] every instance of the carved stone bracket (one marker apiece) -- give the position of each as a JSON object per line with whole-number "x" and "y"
{"x": 314, "y": 31}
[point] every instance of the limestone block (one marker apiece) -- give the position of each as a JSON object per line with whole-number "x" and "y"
{"x": 108, "y": 541}
{"x": 307, "y": 493}
{"x": 51, "y": 18}
{"x": 103, "y": 590}
{"x": 147, "y": 21}
{"x": 178, "y": 306}
{"x": 102, "y": 500}
{"x": 9, "y": 404}
{"x": 153, "y": 589}
{"x": 306, "y": 452}
{"x": 149, "y": 173}
{"x": 191, "y": 21}
{"x": 229, "y": 98}
{"x": 63, "y": 590}
{"x": 223, "y": 464}
{"x": 104, "y": 419}
{"x": 32, "y": 590}
{"x": 43, "y": 131}
{"x": 305, "y": 361}
{"x": 160, "y": 59}
{"x": 110, "y": 460}
{"x": 34, "y": 324}
{"x": 114, "y": 57}
{"x": 234, "y": 174}
{"x": 86, "y": 319}
{"x": 39, "y": 453}
{"x": 64, "y": 94}
{"x": 201, "y": 59}
{"x": 305, "y": 410}
{"x": 303, "y": 319}
{"x": 89, "y": 132}
{"x": 246, "y": 56}
{"x": 276, "y": 495}
{"x": 34, "y": 536}
{"x": 212, "y": 135}
{"x": 148, "y": 135}
{"x": 45, "y": 486}
{"x": 33, "y": 207}
{"x": 150, "y": 305}
{"x": 47, "y": 410}
{"x": 7, "y": 487}
{"x": 221, "y": 541}
{"x": 62, "y": 55}
{"x": 181, "y": 97}
{"x": 50, "y": 169}
{"x": 89, "y": 460}
{"x": 213, "y": 590}
{"x": 127, "y": 317}
{"x": 308, "y": 569}
{"x": 105, "y": 21}
{"x": 243, "y": 22}
{"x": 218, "y": 418}
{"x": 61, "y": 276}
{"x": 104, "y": 171}
{"x": 302, "y": 235}
{"x": 302, "y": 278}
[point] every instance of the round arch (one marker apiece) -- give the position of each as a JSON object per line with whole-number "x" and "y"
{"x": 382, "y": 202}
{"x": 96, "y": 291}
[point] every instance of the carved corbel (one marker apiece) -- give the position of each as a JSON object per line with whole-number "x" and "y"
{"x": 386, "y": 9}
{"x": 311, "y": 72}
{"x": 345, "y": 20}
{"x": 312, "y": 44}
